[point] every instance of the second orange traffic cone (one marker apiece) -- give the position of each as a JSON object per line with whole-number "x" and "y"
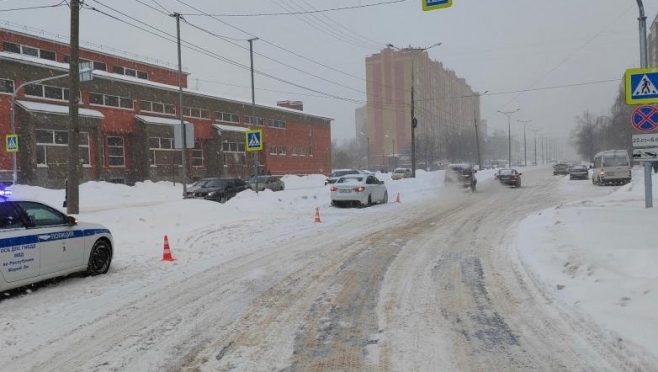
{"x": 397, "y": 199}
{"x": 166, "y": 255}
{"x": 317, "y": 215}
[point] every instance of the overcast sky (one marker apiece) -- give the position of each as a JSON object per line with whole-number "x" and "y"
{"x": 510, "y": 48}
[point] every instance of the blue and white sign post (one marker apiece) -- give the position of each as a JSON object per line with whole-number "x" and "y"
{"x": 11, "y": 143}
{"x": 641, "y": 86}
{"x": 435, "y": 4}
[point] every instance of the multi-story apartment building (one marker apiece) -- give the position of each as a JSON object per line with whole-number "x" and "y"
{"x": 652, "y": 43}
{"x": 446, "y": 107}
{"x": 128, "y": 115}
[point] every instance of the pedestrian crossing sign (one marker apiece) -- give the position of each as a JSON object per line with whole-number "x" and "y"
{"x": 254, "y": 140}
{"x": 11, "y": 142}
{"x": 641, "y": 86}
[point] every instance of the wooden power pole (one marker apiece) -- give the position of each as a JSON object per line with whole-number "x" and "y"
{"x": 73, "y": 169}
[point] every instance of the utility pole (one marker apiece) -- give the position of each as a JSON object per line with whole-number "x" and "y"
{"x": 253, "y": 104}
{"x": 525, "y": 147}
{"x": 414, "y": 124}
{"x": 534, "y": 131}
{"x": 509, "y": 134}
{"x": 180, "y": 107}
{"x": 73, "y": 167}
{"x": 644, "y": 63}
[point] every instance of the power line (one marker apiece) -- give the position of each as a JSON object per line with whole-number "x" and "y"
{"x": 216, "y": 56}
{"x": 34, "y": 7}
{"x": 297, "y": 12}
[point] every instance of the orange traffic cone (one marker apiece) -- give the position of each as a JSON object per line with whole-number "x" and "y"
{"x": 317, "y": 215}
{"x": 166, "y": 256}
{"x": 397, "y": 199}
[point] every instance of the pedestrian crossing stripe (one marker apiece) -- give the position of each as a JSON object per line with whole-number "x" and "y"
{"x": 11, "y": 142}
{"x": 254, "y": 140}
{"x": 645, "y": 87}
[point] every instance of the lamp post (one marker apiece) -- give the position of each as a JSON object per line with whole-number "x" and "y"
{"x": 477, "y": 132}
{"x": 535, "y": 146}
{"x": 525, "y": 148}
{"x": 367, "y": 149}
{"x": 414, "y": 121}
{"x": 509, "y": 133}
{"x": 253, "y": 106}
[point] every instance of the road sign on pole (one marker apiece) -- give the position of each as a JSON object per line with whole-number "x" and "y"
{"x": 644, "y": 140}
{"x": 645, "y": 118}
{"x": 645, "y": 154}
{"x": 641, "y": 86}
{"x": 254, "y": 140}
{"x": 11, "y": 142}
{"x": 435, "y": 4}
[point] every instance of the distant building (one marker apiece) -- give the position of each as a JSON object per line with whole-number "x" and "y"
{"x": 128, "y": 114}
{"x": 444, "y": 104}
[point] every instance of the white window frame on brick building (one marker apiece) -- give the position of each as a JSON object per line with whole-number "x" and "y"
{"x": 116, "y": 151}
{"x": 59, "y": 138}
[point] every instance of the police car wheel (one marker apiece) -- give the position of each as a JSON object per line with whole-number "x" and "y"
{"x": 100, "y": 258}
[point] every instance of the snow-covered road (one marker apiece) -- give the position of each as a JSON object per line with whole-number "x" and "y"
{"x": 429, "y": 285}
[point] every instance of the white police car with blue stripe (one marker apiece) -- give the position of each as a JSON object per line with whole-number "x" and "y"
{"x": 38, "y": 242}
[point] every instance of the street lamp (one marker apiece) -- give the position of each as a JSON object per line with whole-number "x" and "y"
{"x": 477, "y": 134}
{"x": 367, "y": 149}
{"x": 535, "y": 147}
{"x": 525, "y": 151}
{"x": 414, "y": 121}
{"x": 509, "y": 133}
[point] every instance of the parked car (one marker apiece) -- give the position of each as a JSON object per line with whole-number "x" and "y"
{"x": 38, "y": 242}
{"x": 579, "y": 172}
{"x": 358, "y": 189}
{"x": 560, "y": 169}
{"x": 510, "y": 177}
{"x": 219, "y": 189}
{"x": 400, "y": 173}
{"x": 266, "y": 182}
{"x": 337, "y": 173}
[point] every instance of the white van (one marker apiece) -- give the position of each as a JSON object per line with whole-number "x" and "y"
{"x": 611, "y": 167}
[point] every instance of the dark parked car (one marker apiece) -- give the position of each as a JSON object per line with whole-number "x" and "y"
{"x": 266, "y": 182}
{"x": 509, "y": 176}
{"x": 579, "y": 172}
{"x": 560, "y": 169}
{"x": 218, "y": 189}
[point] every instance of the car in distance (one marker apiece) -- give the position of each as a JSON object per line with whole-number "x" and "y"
{"x": 219, "y": 189}
{"x": 38, "y": 242}
{"x": 266, "y": 182}
{"x": 400, "y": 173}
{"x": 358, "y": 189}
{"x": 337, "y": 173}
{"x": 579, "y": 172}
{"x": 560, "y": 169}
{"x": 461, "y": 174}
{"x": 510, "y": 177}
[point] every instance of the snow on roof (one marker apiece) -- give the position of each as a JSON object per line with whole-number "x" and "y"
{"x": 135, "y": 80}
{"x": 57, "y": 109}
{"x": 158, "y": 120}
{"x": 230, "y": 128}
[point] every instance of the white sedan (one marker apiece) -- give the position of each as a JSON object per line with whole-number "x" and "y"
{"x": 358, "y": 189}
{"x": 38, "y": 242}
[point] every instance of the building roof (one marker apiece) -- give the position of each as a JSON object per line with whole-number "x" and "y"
{"x": 35, "y": 61}
{"x": 158, "y": 120}
{"x": 48, "y": 108}
{"x": 230, "y": 128}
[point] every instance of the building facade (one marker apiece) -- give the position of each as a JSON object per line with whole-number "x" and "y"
{"x": 446, "y": 107}
{"x": 129, "y": 113}
{"x": 652, "y": 43}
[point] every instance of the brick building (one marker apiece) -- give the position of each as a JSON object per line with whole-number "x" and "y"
{"x": 128, "y": 114}
{"x": 445, "y": 106}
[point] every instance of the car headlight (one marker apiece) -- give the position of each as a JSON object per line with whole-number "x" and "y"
{"x": 212, "y": 193}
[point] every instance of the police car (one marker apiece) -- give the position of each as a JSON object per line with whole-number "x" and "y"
{"x": 38, "y": 242}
